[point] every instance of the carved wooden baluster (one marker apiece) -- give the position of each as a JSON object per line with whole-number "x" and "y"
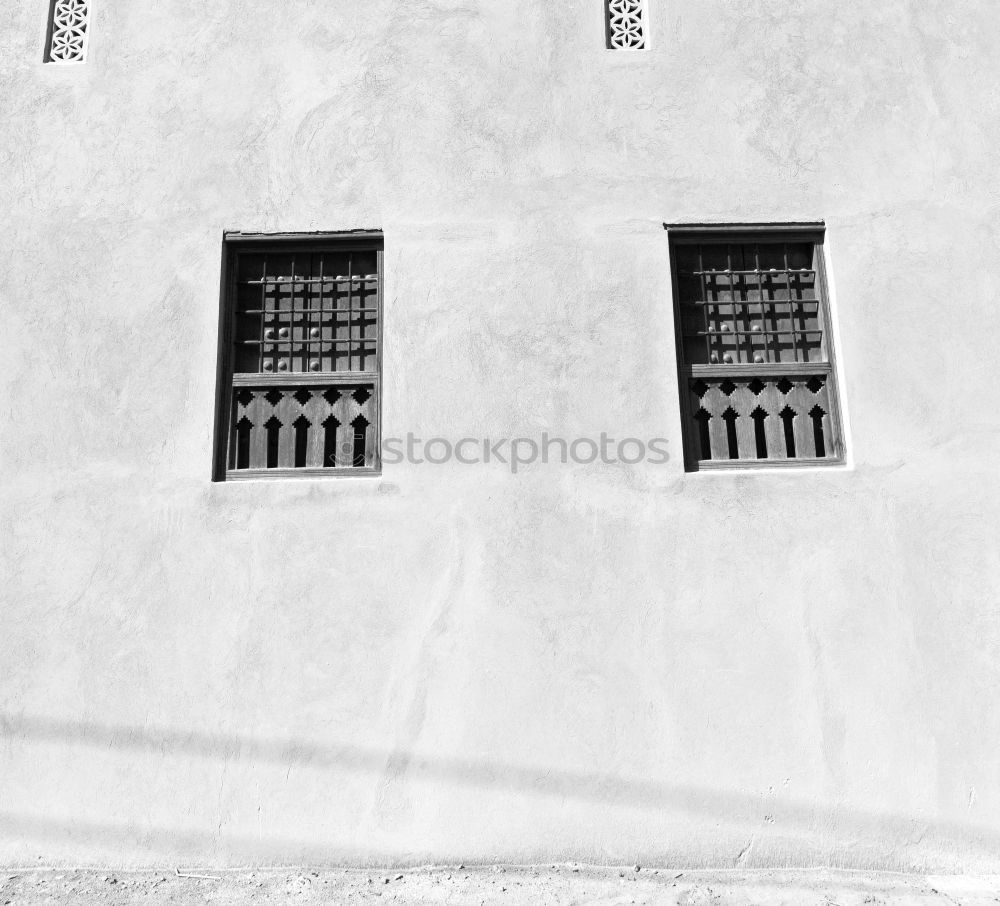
{"x": 703, "y": 445}
{"x": 265, "y": 440}
{"x": 770, "y": 400}
{"x": 743, "y": 402}
{"x": 351, "y": 409}
{"x": 299, "y": 425}
{"x": 287, "y": 411}
{"x": 239, "y": 441}
{"x": 801, "y": 400}
{"x": 336, "y": 427}
{"x": 315, "y": 409}
{"x": 359, "y": 427}
{"x": 365, "y": 397}
{"x": 699, "y": 441}
{"x": 821, "y": 396}
{"x": 258, "y": 412}
{"x": 715, "y": 403}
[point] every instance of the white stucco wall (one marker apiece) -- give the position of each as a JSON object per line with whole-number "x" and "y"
{"x": 457, "y": 663}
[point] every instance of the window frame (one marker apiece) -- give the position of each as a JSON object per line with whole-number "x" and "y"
{"x": 233, "y": 243}
{"x": 734, "y": 233}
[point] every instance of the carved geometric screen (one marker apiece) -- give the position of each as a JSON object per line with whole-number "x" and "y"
{"x": 301, "y": 356}
{"x": 625, "y": 24}
{"x": 67, "y": 32}
{"x": 757, "y": 381}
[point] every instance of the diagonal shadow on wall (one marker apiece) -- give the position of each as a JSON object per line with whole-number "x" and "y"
{"x": 713, "y": 804}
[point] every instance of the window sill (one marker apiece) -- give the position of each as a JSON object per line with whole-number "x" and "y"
{"x": 322, "y": 474}
{"x": 741, "y": 466}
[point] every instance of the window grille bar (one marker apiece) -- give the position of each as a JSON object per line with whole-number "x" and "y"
{"x": 330, "y": 342}
{"x": 322, "y": 305}
{"x": 742, "y": 331}
{"x": 263, "y": 309}
{"x": 772, "y": 270}
{"x": 350, "y": 313}
{"x": 733, "y": 294}
{"x": 763, "y": 315}
{"x": 291, "y": 318}
{"x": 704, "y": 299}
{"x": 316, "y": 263}
{"x": 693, "y": 303}
{"x": 313, "y": 310}
{"x": 271, "y": 281}
{"x": 791, "y": 312}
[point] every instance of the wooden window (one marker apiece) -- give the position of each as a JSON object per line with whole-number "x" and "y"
{"x": 754, "y": 346}
{"x": 301, "y": 351}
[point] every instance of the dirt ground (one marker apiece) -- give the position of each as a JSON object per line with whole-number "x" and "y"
{"x": 556, "y": 885}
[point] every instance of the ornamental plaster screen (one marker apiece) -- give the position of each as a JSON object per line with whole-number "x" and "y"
{"x": 67, "y": 31}
{"x": 626, "y": 24}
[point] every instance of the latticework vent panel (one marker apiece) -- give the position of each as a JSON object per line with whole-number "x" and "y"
{"x": 626, "y": 24}
{"x": 68, "y": 21}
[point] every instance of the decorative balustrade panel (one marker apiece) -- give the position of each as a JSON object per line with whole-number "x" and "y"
{"x": 68, "y": 31}
{"x": 762, "y": 418}
{"x": 306, "y": 427}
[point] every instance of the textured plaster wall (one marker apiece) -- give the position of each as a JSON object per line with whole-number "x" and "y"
{"x": 452, "y": 662}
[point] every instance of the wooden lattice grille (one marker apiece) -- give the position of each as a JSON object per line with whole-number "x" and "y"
{"x": 303, "y": 358}
{"x": 757, "y": 381}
